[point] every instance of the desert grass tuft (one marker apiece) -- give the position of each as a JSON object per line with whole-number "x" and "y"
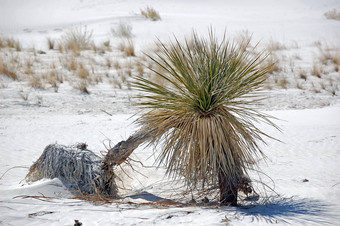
{"x": 123, "y": 30}
{"x": 35, "y": 81}
{"x": 303, "y": 75}
{"x": 316, "y": 70}
{"x": 82, "y": 72}
{"x": 275, "y": 46}
{"x": 127, "y": 47}
{"x": 150, "y": 13}
{"x": 332, "y": 15}
{"x": 50, "y": 43}
{"x": 7, "y": 70}
{"x": 204, "y": 117}
{"x": 77, "y": 39}
{"x": 82, "y": 86}
{"x": 14, "y": 44}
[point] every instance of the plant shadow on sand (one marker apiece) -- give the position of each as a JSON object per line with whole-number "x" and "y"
{"x": 305, "y": 211}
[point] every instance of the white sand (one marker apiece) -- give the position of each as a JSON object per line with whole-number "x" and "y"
{"x": 310, "y": 121}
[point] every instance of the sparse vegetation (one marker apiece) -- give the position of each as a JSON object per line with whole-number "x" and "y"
{"x": 82, "y": 86}
{"x": 50, "y": 43}
{"x": 275, "y": 46}
{"x": 150, "y": 13}
{"x": 316, "y": 70}
{"x": 303, "y": 75}
{"x": 76, "y": 40}
{"x": 127, "y": 47}
{"x": 123, "y": 30}
{"x": 7, "y": 70}
{"x": 332, "y": 14}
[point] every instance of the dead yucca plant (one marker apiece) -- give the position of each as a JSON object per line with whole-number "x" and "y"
{"x": 150, "y": 13}
{"x": 204, "y": 117}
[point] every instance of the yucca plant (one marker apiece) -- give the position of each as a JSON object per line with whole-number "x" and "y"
{"x": 205, "y": 116}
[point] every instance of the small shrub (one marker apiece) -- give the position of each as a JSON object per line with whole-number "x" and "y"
{"x": 332, "y": 15}
{"x": 123, "y": 30}
{"x": 150, "y": 13}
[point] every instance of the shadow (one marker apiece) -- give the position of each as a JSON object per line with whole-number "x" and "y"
{"x": 146, "y": 196}
{"x": 290, "y": 209}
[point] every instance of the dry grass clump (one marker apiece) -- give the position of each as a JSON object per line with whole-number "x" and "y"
{"x": 271, "y": 63}
{"x": 29, "y": 64}
{"x": 275, "y": 46}
{"x": 82, "y": 86}
{"x": 332, "y": 14}
{"x": 108, "y": 62}
{"x": 36, "y": 81}
{"x": 298, "y": 85}
{"x": 243, "y": 39}
{"x": 24, "y": 95}
{"x": 76, "y": 40}
{"x": 140, "y": 68}
{"x": 13, "y": 43}
{"x": 50, "y": 43}
{"x": 329, "y": 55}
{"x": 7, "y": 70}
{"x": 82, "y": 72}
{"x": 54, "y": 79}
{"x": 123, "y": 30}
{"x": 2, "y": 42}
{"x": 316, "y": 70}
{"x": 303, "y": 75}
{"x": 150, "y": 13}
{"x": 117, "y": 65}
{"x": 127, "y": 47}
{"x": 282, "y": 82}
{"x": 10, "y": 43}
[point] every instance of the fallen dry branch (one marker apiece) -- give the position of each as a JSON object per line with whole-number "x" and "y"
{"x": 81, "y": 170}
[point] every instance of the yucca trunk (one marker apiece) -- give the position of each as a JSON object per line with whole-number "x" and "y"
{"x": 228, "y": 189}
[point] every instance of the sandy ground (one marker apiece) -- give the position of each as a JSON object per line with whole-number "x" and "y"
{"x": 302, "y": 170}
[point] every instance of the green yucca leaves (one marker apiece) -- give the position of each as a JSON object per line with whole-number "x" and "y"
{"x": 204, "y": 115}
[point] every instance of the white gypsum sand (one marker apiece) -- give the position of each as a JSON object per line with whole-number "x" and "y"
{"x": 302, "y": 170}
